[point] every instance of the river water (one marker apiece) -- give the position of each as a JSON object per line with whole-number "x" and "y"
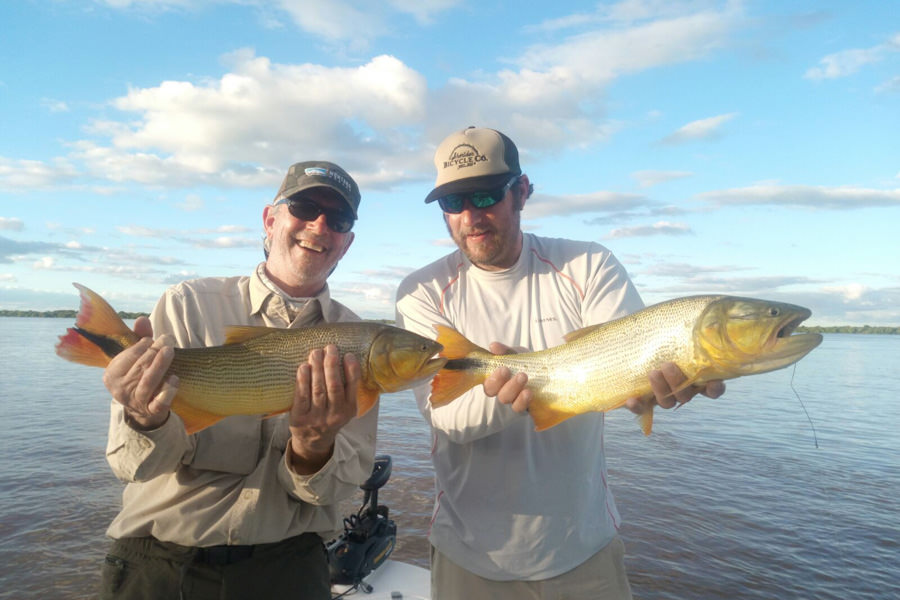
{"x": 728, "y": 498}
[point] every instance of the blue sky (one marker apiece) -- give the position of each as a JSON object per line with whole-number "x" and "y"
{"x": 747, "y": 148}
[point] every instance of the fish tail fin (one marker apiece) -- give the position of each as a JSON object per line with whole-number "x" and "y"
{"x": 449, "y": 384}
{"x": 99, "y": 333}
{"x": 365, "y": 400}
{"x": 545, "y": 417}
{"x": 455, "y": 344}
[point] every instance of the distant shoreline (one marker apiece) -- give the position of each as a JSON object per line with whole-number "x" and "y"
{"x": 61, "y": 314}
{"x": 71, "y": 314}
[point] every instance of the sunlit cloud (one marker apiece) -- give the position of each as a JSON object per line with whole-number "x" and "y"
{"x": 660, "y": 228}
{"x": 651, "y": 178}
{"x": 848, "y": 62}
{"x": 833, "y": 198}
{"x": 702, "y": 129}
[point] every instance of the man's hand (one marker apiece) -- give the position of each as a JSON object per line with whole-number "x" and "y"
{"x": 137, "y": 380}
{"x": 508, "y": 388}
{"x": 323, "y": 404}
{"x": 667, "y": 378}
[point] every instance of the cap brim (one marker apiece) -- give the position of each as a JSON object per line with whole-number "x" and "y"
{"x": 467, "y": 186}
{"x": 338, "y": 192}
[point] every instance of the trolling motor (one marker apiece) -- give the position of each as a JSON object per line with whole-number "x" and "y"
{"x": 369, "y": 535}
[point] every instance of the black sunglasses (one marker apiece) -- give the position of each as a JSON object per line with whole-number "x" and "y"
{"x": 305, "y": 209}
{"x": 454, "y": 203}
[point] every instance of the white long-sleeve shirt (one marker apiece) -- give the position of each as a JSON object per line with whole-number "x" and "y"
{"x": 512, "y": 503}
{"x": 231, "y": 483}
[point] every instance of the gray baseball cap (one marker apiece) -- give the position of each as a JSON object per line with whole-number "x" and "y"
{"x": 320, "y": 173}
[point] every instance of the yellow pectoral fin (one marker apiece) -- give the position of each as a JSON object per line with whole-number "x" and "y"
{"x": 194, "y": 418}
{"x": 365, "y": 400}
{"x": 646, "y": 420}
{"x": 449, "y": 385}
{"x": 546, "y": 417}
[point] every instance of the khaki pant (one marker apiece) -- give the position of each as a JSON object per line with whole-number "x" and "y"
{"x": 147, "y": 569}
{"x": 601, "y": 577}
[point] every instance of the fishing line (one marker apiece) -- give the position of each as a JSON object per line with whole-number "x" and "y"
{"x": 815, "y": 437}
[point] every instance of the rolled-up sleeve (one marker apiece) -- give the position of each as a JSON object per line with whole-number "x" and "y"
{"x": 142, "y": 455}
{"x": 350, "y": 465}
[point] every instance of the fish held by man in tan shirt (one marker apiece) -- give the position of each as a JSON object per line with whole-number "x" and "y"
{"x": 601, "y": 366}
{"x": 254, "y": 372}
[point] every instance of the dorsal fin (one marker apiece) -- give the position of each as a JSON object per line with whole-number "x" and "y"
{"x": 235, "y": 334}
{"x": 580, "y": 333}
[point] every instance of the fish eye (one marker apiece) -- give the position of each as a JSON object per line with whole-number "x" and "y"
{"x": 774, "y": 312}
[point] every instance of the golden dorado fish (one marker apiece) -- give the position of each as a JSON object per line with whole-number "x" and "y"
{"x": 254, "y": 372}
{"x": 601, "y": 366}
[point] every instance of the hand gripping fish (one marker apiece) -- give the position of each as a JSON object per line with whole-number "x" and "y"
{"x": 600, "y": 367}
{"x": 254, "y": 372}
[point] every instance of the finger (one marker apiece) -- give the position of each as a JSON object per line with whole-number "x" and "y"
{"x": 162, "y": 402}
{"x": 496, "y": 380}
{"x": 150, "y": 369}
{"x": 714, "y": 388}
{"x": 332, "y": 370}
{"x": 661, "y": 390}
{"x": 641, "y": 404}
{"x": 353, "y": 376}
{"x": 523, "y": 401}
{"x": 302, "y": 403}
{"x": 511, "y": 390}
{"x": 142, "y": 327}
{"x": 498, "y": 348}
{"x": 318, "y": 392}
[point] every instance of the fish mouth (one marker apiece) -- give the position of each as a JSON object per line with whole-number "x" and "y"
{"x": 433, "y": 365}
{"x": 785, "y": 343}
{"x": 789, "y": 326}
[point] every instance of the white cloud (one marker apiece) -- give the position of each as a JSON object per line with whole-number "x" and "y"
{"x": 850, "y": 292}
{"x": 11, "y": 224}
{"x": 702, "y": 129}
{"x": 546, "y": 205}
{"x": 20, "y": 174}
{"x": 848, "y": 62}
{"x": 660, "y": 228}
{"x": 651, "y": 178}
{"x": 259, "y": 113}
{"x": 841, "y": 198}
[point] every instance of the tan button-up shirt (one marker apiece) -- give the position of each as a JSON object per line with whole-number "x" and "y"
{"x": 231, "y": 483}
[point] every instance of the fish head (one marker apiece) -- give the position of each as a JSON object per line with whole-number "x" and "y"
{"x": 398, "y": 359}
{"x": 745, "y": 336}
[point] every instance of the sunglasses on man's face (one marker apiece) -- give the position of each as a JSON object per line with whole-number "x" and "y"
{"x": 454, "y": 203}
{"x": 305, "y": 209}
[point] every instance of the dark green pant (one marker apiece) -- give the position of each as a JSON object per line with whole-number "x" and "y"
{"x": 147, "y": 569}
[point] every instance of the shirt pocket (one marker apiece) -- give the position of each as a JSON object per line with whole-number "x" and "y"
{"x": 230, "y": 446}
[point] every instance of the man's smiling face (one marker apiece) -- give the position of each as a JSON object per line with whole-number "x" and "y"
{"x": 303, "y": 253}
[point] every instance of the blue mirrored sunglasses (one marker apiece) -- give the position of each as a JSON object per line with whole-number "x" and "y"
{"x": 454, "y": 203}
{"x": 305, "y": 209}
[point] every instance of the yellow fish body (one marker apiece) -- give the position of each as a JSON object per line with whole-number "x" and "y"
{"x": 254, "y": 372}
{"x": 601, "y": 366}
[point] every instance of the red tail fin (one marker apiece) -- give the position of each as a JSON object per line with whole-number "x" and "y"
{"x": 98, "y": 335}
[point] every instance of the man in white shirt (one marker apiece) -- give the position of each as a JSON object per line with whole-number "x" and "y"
{"x": 518, "y": 513}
